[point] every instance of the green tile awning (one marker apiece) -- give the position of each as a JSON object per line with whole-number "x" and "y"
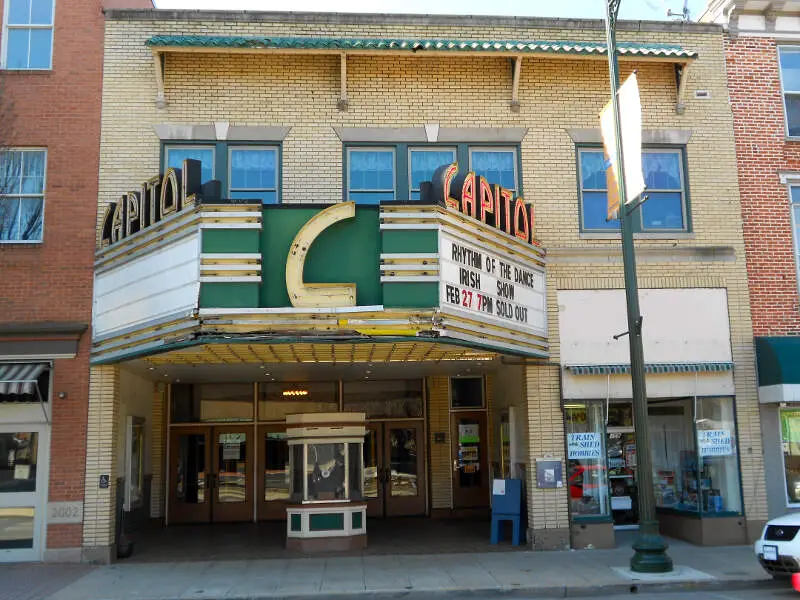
{"x": 415, "y": 45}
{"x": 778, "y": 360}
{"x": 652, "y": 368}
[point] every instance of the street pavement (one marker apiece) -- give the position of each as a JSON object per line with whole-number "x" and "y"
{"x": 725, "y": 571}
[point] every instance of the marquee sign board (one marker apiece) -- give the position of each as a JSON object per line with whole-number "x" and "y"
{"x": 488, "y": 286}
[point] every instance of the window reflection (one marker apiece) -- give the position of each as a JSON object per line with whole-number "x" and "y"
{"x": 18, "y": 458}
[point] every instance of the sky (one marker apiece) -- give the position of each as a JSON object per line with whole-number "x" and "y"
{"x": 591, "y": 9}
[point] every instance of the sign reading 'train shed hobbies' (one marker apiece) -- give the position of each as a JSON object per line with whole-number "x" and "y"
{"x": 490, "y": 287}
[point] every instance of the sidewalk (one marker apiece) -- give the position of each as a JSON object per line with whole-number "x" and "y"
{"x": 539, "y": 574}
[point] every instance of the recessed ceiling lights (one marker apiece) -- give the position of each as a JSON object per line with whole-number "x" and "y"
{"x": 262, "y": 367}
{"x": 151, "y": 368}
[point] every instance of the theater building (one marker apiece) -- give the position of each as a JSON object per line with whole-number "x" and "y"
{"x": 397, "y": 224}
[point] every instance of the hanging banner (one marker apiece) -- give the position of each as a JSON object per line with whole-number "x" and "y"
{"x": 584, "y": 446}
{"x": 715, "y": 442}
{"x": 630, "y": 111}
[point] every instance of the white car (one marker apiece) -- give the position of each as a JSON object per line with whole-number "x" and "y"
{"x": 778, "y": 550}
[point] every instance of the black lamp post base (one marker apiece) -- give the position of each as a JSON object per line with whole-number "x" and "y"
{"x": 650, "y": 551}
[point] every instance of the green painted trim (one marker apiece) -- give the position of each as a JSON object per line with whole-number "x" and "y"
{"x": 231, "y": 241}
{"x": 229, "y": 295}
{"x": 358, "y": 520}
{"x": 326, "y": 521}
{"x": 411, "y": 295}
{"x": 296, "y": 522}
{"x": 397, "y": 241}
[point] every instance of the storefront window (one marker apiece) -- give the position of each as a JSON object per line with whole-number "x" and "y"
{"x": 392, "y": 399}
{"x": 588, "y": 487}
{"x": 276, "y": 400}
{"x": 218, "y": 402}
{"x": 719, "y": 467}
{"x": 674, "y": 460}
{"x": 790, "y": 441}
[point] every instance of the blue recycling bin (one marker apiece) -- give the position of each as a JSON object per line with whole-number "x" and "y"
{"x": 507, "y": 506}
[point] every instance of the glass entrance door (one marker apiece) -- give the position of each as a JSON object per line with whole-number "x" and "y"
{"x": 394, "y": 469}
{"x": 273, "y": 463}
{"x": 470, "y": 465}
{"x": 211, "y": 474}
{"x": 23, "y": 468}
{"x": 622, "y": 480}
{"x": 233, "y": 474}
{"x": 190, "y": 475}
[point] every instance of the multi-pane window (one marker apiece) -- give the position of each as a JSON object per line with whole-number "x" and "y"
{"x": 22, "y": 182}
{"x": 247, "y": 172}
{"x": 253, "y": 173}
{"x": 665, "y": 208}
{"x": 175, "y": 155}
{"x": 28, "y": 34}
{"x": 423, "y": 163}
{"x": 498, "y": 166}
{"x": 790, "y": 81}
{"x": 381, "y": 174}
{"x": 371, "y": 175}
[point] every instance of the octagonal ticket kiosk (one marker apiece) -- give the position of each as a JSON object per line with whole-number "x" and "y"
{"x": 327, "y": 511}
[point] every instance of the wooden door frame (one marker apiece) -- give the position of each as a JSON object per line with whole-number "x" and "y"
{"x": 230, "y": 512}
{"x": 376, "y": 506}
{"x": 188, "y": 513}
{"x": 476, "y": 499}
{"x": 273, "y": 510}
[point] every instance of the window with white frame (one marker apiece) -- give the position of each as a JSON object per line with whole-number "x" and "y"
{"x": 22, "y": 185}
{"x": 28, "y": 34}
{"x": 789, "y": 57}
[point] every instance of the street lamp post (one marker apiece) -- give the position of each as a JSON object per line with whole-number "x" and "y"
{"x": 650, "y": 550}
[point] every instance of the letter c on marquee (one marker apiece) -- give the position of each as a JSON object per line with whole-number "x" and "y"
{"x": 317, "y": 295}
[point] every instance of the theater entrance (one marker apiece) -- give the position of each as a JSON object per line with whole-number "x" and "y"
{"x": 394, "y": 469}
{"x": 211, "y": 474}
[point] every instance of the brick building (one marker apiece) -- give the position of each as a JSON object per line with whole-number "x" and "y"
{"x": 252, "y": 164}
{"x": 762, "y": 62}
{"x": 50, "y": 98}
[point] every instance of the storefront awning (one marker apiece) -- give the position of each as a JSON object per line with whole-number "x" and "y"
{"x": 20, "y": 379}
{"x": 652, "y": 368}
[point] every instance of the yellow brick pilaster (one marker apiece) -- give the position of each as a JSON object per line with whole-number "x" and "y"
{"x": 101, "y": 460}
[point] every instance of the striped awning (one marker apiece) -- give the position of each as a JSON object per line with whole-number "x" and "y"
{"x": 20, "y": 378}
{"x": 652, "y": 368}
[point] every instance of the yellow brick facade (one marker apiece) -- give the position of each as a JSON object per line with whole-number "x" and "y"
{"x": 555, "y": 94}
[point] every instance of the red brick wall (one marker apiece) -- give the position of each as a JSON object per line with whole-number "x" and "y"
{"x": 52, "y": 281}
{"x": 762, "y": 151}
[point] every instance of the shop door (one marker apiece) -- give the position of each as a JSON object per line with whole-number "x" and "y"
{"x": 394, "y": 469}
{"x": 470, "y": 466}
{"x": 23, "y": 472}
{"x": 273, "y": 463}
{"x": 211, "y": 476}
{"x": 622, "y": 481}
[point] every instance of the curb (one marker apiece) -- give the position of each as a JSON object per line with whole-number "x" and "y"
{"x": 529, "y": 592}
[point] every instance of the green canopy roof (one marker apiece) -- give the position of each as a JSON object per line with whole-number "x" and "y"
{"x": 415, "y": 45}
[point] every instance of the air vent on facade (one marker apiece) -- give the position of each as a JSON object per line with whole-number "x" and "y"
{"x": 702, "y": 94}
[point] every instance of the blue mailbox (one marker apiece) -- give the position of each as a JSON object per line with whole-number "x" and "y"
{"x": 507, "y": 506}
